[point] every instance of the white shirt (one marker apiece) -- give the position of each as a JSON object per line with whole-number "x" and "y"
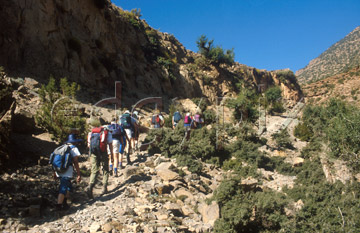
{"x": 69, "y": 172}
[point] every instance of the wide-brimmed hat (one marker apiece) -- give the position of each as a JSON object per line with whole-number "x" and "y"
{"x": 72, "y": 139}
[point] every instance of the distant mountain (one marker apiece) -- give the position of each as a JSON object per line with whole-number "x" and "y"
{"x": 345, "y": 86}
{"x": 339, "y": 58}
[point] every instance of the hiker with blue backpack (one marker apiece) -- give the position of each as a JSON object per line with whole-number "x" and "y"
{"x": 63, "y": 160}
{"x": 176, "y": 118}
{"x": 98, "y": 139}
{"x": 157, "y": 120}
{"x": 126, "y": 122}
{"x": 117, "y": 132}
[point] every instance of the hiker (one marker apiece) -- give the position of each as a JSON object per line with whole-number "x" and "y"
{"x": 157, "y": 120}
{"x": 135, "y": 136}
{"x": 188, "y": 121}
{"x": 198, "y": 120}
{"x": 117, "y": 132}
{"x": 98, "y": 139}
{"x": 124, "y": 139}
{"x": 65, "y": 176}
{"x": 176, "y": 118}
{"x": 126, "y": 123}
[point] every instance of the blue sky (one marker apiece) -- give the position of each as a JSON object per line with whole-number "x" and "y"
{"x": 266, "y": 34}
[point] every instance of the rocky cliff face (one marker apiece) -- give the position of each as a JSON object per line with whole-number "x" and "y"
{"x": 96, "y": 43}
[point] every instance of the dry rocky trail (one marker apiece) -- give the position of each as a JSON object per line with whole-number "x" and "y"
{"x": 152, "y": 194}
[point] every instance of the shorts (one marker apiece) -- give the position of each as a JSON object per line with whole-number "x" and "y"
{"x": 116, "y": 146}
{"x": 128, "y": 133}
{"x": 65, "y": 185}
{"x": 122, "y": 146}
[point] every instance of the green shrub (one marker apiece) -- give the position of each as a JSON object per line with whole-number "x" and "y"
{"x": 282, "y": 140}
{"x": 209, "y": 116}
{"x": 200, "y": 146}
{"x": 303, "y": 132}
{"x": 273, "y": 97}
{"x": 338, "y": 125}
{"x": 133, "y": 19}
{"x": 245, "y": 105}
{"x": 327, "y": 207}
{"x": 58, "y": 114}
{"x": 277, "y": 107}
{"x": 136, "y": 12}
{"x": 286, "y": 76}
{"x": 215, "y": 54}
{"x": 273, "y": 94}
{"x": 248, "y": 211}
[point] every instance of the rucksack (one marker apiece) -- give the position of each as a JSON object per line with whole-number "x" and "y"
{"x": 197, "y": 118}
{"x": 187, "y": 120}
{"x": 155, "y": 119}
{"x": 61, "y": 159}
{"x": 177, "y": 117}
{"x": 158, "y": 119}
{"x": 116, "y": 129}
{"x": 125, "y": 120}
{"x": 98, "y": 140}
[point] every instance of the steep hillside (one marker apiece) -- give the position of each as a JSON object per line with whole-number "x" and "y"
{"x": 96, "y": 43}
{"x": 339, "y": 58}
{"x": 345, "y": 86}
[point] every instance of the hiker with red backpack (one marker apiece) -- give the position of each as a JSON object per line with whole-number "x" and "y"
{"x": 157, "y": 120}
{"x": 63, "y": 159}
{"x": 98, "y": 139}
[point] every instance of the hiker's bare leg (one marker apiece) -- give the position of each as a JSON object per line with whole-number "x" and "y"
{"x": 61, "y": 198}
{"x": 116, "y": 160}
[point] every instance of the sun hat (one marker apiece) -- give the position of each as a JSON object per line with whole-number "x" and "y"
{"x": 136, "y": 113}
{"x": 72, "y": 139}
{"x": 127, "y": 111}
{"x": 188, "y": 114}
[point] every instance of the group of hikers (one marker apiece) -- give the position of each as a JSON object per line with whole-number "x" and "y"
{"x": 190, "y": 122}
{"x": 107, "y": 145}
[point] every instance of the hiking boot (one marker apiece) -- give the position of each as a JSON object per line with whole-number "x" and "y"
{"x": 89, "y": 192}
{"x": 65, "y": 206}
{"x": 104, "y": 191}
{"x": 128, "y": 159}
{"x": 58, "y": 207}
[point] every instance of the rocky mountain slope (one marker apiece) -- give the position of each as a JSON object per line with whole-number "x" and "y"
{"x": 345, "y": 86}
{"x": 339, "y": 58}
{"x": 96, "y": 43}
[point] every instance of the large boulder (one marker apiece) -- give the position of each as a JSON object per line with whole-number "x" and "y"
{"x": 210, "y": 213}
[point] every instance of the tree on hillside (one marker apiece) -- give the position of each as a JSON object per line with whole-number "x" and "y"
{"x": 215, "y": 54}
{"x": 273, "y": 97}
{"x": 58, "y": 113}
